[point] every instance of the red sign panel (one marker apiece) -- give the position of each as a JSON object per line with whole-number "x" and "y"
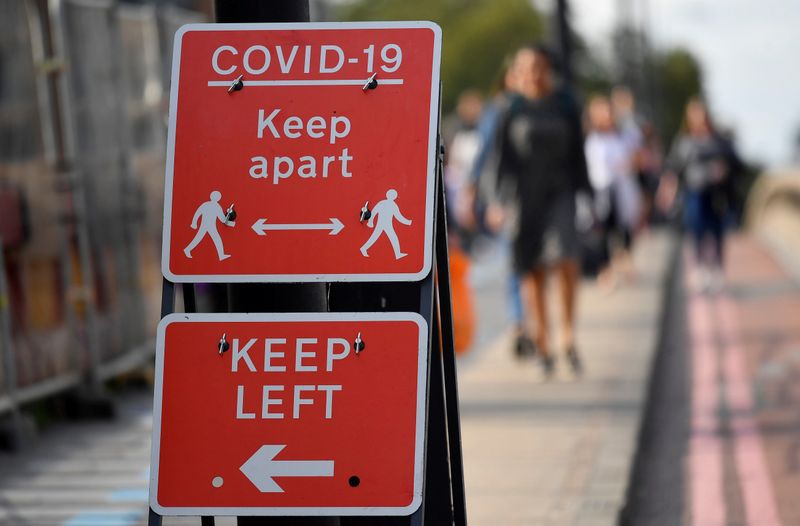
{"x": 302, "y": 152}
{"x": 303, "y": 414}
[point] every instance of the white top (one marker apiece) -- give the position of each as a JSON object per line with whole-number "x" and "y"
{"x": 608, "y": 158}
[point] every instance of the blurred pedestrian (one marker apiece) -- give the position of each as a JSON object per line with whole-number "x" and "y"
{"x": 540, "y": 168}
{"x": 701, "y": 163}
{"x": 481, "y": 189}
{"x": 629, "y": 124}
{"x": 460, "y": 155}
{"x": 639, "y": 136}
{"x": 609, "y": 159}
{"x": 460, "y": 159}
{"x": 649, "y": 165}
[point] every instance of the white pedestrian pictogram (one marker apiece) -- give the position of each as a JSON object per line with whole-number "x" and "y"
{"x": 386, "y": 212}
{"x": 209, "y": 213}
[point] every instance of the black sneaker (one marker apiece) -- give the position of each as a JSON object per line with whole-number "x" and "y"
{"x": 574, "y": 359}
{"x": 548, "y": 365}
{"x": 524, "y": 347}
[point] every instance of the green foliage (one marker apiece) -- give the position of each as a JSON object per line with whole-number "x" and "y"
{"x": 477, "y": 35}
{"x": 592, "y": 75}
{"x": 679, "y": 77}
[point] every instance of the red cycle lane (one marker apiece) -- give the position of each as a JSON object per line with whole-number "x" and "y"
{"x": 744, "y": 451}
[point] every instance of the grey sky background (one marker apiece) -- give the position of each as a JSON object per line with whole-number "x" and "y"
{"x": 750, "y": 53}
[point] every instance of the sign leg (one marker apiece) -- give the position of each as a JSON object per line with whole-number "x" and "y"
{"x": 167, "y": 297}
{"x": 448, "y": 357}
{"x": 437, "y": 494}
{"x": 153, "y": 518}
{"x": 189, "y": 303}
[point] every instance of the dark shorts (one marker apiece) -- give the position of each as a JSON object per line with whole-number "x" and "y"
{"x": 557, "y": 241}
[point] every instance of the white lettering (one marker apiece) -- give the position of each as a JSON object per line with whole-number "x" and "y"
{"x": 307, "y": 64}
{"x": 314, "y": 124}
{"x": 240, "y": 414}
{"x": 292, "y": 127}
{"x": 259, "y": 169}
{"x": 215, "y": 60}
{"x": 267, "y": 123}
{"x": 331, "y": 353}
{"x": 344, "y": 158}
{"x": 299, "y": 400}
{"x": 239, "y": 354}
{"x": 309, "y": 167}
{"x": 246, "y": 62}
{"x": 326, "y": 160}
{"x": 300, "y": 354}
{"x": 266, "y": 401}
{"x": 286, "y": 65}
{"x": 329, "y": 389}
{"x": 269, "y": 354}
{"x": 281, "y": 174}
{"x": 335, "y": 133}
{"x": 323, "y": 59}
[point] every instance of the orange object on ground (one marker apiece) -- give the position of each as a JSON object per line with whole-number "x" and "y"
{"x": 463, "y": 309}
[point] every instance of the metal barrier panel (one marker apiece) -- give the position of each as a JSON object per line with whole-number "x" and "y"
{"x": 141, "y": 60}
{"x": 31, "y": 206}
{"x": 80, "y": 234}
{"x": 101, "y": 135}
{"x": 117, "y": 106}
{"x": 170, "y": 19}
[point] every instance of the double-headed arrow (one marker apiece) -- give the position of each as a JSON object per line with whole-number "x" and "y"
{"x": 262, "y": 467}
{"x": 335, "y": 226}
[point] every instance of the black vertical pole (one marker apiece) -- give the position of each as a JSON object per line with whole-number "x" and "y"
{"x": 272, "y": 297}
{"x": 564, "y": 42}
{"x": 309, "y": 297}
{"x": 233, "y": 11}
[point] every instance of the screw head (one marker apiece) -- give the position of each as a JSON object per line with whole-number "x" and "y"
{"x": 365, "y": 213}
{"x": 236, "y": 85}
{"x": 223, "y": 344}
{"x": 372, "y": 82}
{"x": 359, "y": 344}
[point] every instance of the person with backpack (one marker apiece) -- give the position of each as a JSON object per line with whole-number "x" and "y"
{"x": 540, "y": 168}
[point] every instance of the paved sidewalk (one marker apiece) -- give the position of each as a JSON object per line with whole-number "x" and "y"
{"x": 91, "y": 473}
{"x": 559, "y": 452}
{"x": 535, "y": 453}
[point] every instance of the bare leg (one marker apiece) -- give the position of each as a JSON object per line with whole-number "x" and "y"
{"x": 196, "y": 241}
{"x": 568, "y": 273}
{"x": 375, "y": 234}
{"x": 395, "y": 243}
{"x": 533, "y": 285}
{"x": 218, "y": 244}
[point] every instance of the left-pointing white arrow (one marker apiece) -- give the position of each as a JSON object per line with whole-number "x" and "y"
{"x": 261, "y": 468}
{"x": 261, "y": 226}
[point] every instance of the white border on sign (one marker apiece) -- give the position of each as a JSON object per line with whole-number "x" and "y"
{"x": 419, "y": 446}
{"x": 433, "y": 155}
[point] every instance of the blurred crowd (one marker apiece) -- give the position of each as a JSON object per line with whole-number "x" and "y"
{"x": 568, "y": 188}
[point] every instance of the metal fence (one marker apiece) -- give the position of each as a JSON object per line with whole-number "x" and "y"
{"x": 83, "y": 91}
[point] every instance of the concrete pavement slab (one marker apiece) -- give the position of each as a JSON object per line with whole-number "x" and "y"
{"x": 559, "y": 451}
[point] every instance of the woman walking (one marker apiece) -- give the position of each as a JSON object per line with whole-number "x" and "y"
{"x": 540, "y": 168}
{"x": 703, "y": 163}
